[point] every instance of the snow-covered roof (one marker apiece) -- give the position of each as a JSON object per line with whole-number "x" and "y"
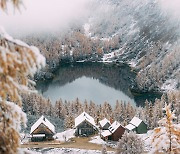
{"x": 104, "y": 122}
{"x": 42, "y": 120}
{"x": 135, "y": 121}
{"x": 115, "y": 125}
{"x": 106, "y": 133}
{"x": 82, "y": 117}
{"x": 39, "y": 135}
{"x": 130, "y": 127}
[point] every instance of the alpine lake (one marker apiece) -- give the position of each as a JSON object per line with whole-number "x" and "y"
{"x": 94, "y": 81}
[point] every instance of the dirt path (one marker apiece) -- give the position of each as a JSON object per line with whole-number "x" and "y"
{"x": 80, "y": 143}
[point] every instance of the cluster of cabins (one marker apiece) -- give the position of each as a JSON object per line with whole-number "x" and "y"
{"x": 85, "y": 126}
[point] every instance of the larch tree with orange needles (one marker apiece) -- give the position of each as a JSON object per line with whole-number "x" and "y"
{"x": 166, "y": 139}
{"x": 18, "y": 63}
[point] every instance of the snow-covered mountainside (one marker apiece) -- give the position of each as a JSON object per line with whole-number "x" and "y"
{"x": 143, "y": 33}
{"x": 149, "y": 37}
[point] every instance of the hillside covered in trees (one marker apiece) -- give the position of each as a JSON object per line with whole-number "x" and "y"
{"x": 140, "y": 34}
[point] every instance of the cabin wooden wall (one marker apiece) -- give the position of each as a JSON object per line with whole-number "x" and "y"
{"x": 85, "y": 128}
{"x": 118, "y": 134}
{"x": 142, "y": 128}
{"x": 42, "y": 129}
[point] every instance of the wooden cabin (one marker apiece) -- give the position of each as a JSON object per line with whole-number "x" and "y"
{"x": 42, "y": 130}
{"x": 117, "y": 131}
{"x": 105, "y": 135}
{"x": 85, "y": 125}
{"x": 114, "y": 132}
{"x": 104, "y": 124}
{"x": 137, "y": 125}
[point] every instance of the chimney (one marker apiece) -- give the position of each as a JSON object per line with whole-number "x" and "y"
{"x": 111, "y": 120}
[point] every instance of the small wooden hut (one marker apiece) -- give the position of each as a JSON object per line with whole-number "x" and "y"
{"x": 42, "y": 130}
{"x": 104, "y": 124}
{"x": 85, "y": 125}
{"x": 114, "y": 132}
{"x": 137, "y": 125}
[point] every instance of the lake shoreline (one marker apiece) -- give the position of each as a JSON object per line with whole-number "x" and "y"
{"x": 120, "y": 70}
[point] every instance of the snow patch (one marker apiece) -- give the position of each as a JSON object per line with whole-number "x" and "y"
{"x": 115, "y": 125}
{"x": 66, "y": 150}
{"x": 169, "y": 85}
{"x": 110, "y": 56}
{"x": 135, "y": 121}
{"x": 106, "y": 133}
{"x": 130, "y": 127}
{"x": 146, "y": 139}
{"x": 104, "y": 122}
{"x": 97, "y": 140}
{"x": 82, "y": 117}
{"x": 87, "y": 29}
{"x": 65, "y": 136}
{"x": 133, "y": 63}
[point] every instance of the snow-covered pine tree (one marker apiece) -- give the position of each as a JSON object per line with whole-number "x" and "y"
{"x": 85, "y": 106}
{"x": 130, "y": 143}
{"x": 130, "y": 112}
{"x": 117, "y": 110}
{"x": 166, "y": 139}
{"x": 49, "y": 108}
{"x": 140, "y": 112}
{"x": 66, "y": 106}
{"x": 174, "y": 98}
{"x": 77, "y": 104}
{"x": 157, "y": 113}
{"x": 92, "y": 109}
{"x": 59, "y": 107}
{"x": 149, "y": 114}
{"x": 69, "y": 121}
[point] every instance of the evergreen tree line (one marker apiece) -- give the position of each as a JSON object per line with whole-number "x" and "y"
{"x": 123, "y": 112}
{"x": 75, "y": 45}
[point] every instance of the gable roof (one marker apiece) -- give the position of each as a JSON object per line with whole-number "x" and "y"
{"x": 135, "y": 121}
{"x": 115, "y": 125}
{"x": 130, "y": 127}
{"x": 106, "y": 133}
{"x": 82, "y": 117}
{"x": 104, "y": 122}
{"x": 42, "y": 120}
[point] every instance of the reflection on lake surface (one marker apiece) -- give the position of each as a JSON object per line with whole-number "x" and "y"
{"x": 86, "y": 88}
{"x": 93, "y": 81}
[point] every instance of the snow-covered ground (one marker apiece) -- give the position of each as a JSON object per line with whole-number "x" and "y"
{"x": 24, "y": 138}
{"x": 66, "y": 150}
{"x": 65, "y": 136}
{"x": 97, "y": 140}
{"x": 146, "y": 139}
{"x": 110, "y": 56}
{"x": 169, "y": 85}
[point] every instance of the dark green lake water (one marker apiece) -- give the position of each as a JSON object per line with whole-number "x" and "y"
{"x": 97, "y": 82}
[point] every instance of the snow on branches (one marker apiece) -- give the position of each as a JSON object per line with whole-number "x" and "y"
{"x": 166, "y": 139}
{"x": 4, "y": 3}
{"x": 18, "y": 62}
{"x": 130, "y": 143}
